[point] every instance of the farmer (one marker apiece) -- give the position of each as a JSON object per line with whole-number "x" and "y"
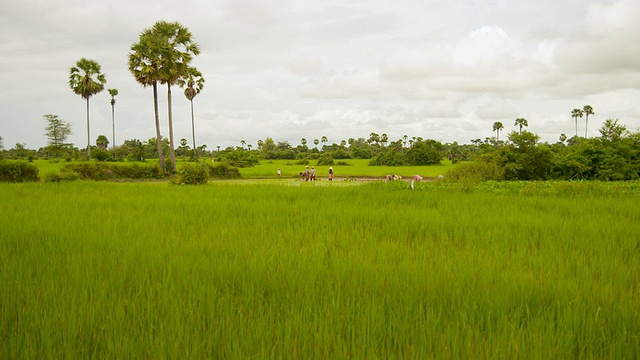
{"x": 279, "y": 173}
{"x": 331, "y": 173}
{"x": 313, "y": 173}
{"x": 306, "y": 173}
{"x": 417, "y": 178}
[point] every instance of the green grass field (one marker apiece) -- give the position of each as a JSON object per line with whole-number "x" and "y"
{"x": 149, "y": 270}
{"x": 269, "y": 169}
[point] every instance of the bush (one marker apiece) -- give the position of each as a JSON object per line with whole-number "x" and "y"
{"x": 110, "y": 171}
{"x": 302, "y": 162}
{"x": 476, "y": 172}
{"x": 223, "y": 171}
{"x": 53, "y": 177}
{"x": 189, "y": 174}
{"x": 325, "y": 159}
{"x": 18, "y": 171}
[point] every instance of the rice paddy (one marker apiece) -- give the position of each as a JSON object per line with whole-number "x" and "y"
{"x": 265, "y": 271}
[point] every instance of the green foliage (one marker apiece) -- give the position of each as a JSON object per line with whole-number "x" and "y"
{"x": 18, "y": 172}
{"x": 110, "y": 171}
{"x": 190, "y": 174}
{"x": 326, "y": 159}
{"x": 425, "y": 152}
{"x": 53, "y": 177}
{"x": 239, "y": 158}
{"x": 475, "y": 172}
{"x": 222, "y": 171}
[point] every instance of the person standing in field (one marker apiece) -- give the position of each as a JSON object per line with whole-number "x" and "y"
{"x": 279, "y": 173}
{"x": 313, "y": 173}
{"x": 331, "y": 173}
{"x": 306, "y": 173}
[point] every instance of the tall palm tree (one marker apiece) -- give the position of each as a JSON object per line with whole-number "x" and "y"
{"x": 324, "y": 140}
{"x": 497, "y": 127}
{"x": 178, "y": 49}
{"x": 521, "y": 122}
{"x": 588, "y": 110}
{"x": 316, "y": 142}
{"x": 194, "y": 82}
{"x": 86, "y": 80}
{"x": 243, "y": 143}
{"x": 144, "y": 64}
{"x": 576, "y": 113}
{"x": 303, "y": 141}
{"x": 113, "y": 93}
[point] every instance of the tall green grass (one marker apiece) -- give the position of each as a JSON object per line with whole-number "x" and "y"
{"x": 103, "y": 270}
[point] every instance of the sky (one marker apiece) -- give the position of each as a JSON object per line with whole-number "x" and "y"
{"x": 292, "y": 69}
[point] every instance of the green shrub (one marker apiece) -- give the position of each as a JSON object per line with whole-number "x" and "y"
{"x": 223, "y": 171}
{"x": 53, "y": 177}
{"x": 189, "y": 174}
{"x": 325, "y": 159}
{"x": 476, "y": 172}
{"x": 302, "y": 162}
{"x": 111, "y": 171}
{"x": 18, "y": 171}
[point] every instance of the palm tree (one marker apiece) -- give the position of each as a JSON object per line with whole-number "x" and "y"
{"x": 144, "y": 64}
{"x": 521, "y": 122}
{"x": 497, "y": 127}
{"x": 316, "y": 142}
{"x": 177, "y": 51}
{"x": 194, "y": 82}
{"x": 113, "y": 93}
{"x": 324, "y": 140}
{"x": 260, "y": 143}
{"x": 249, "y": 147}
{"x": 404, "y": 138}
{"x": 576, "y": 113}
{"x": 588, "y": 110}
{"x": 86, "y": 80}
{"x": 243, "y": 143}
{"x": 303, "y": 141}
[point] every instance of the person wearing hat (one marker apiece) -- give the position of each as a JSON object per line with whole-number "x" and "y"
{"x": 331, "y": 173}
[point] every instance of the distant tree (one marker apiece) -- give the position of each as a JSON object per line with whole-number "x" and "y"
{"x": 194, "y": 82}
{"x": 588, "y": 110}
{"x": 612, "y": 130}
{"x": 249, "y": 147}
{"x": 404, "y": 140}
{"x": 575, "y": 114}
{"x": 316, "y": 142}
{"x": 57, "y": 131}
{"x": 303, "y": 141}
{"x": 260, "y": 143}
{"x": 384, "y": 139}
{"x": 497, "y": 127}
{"x": 243, "y": 143}
{"x": 324, "y": 140}
{"x": 86, "y": 80}
{"x": 562, "y": 138}
{"x": 520, "y": 122}
{"x": 102, "y": 142}
{"x": 343, "y": 143}
{"x": 1, "y": 144}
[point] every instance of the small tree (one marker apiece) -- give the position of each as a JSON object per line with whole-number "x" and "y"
{"x": 57, "y": 131}
{"x": 113, "y": 93}
{"x": 102, "y": 142}
{"x": 497, "y": 127}
{"x": 575, "y": 114}
{"x": 520, "y": 122}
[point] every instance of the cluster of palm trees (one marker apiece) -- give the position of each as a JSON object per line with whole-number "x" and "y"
{"x": 162, "y": 55}
{"x": 498, "y": 126}
{"x": 579, "y": 113}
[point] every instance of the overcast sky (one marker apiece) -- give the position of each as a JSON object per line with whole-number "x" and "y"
{"x": 292, "y": 69}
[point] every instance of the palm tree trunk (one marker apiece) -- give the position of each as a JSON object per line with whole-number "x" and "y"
{"x": 172, "y": 153}
{"x": 586, "y": 124}
{"x": 193, "y": 133}
{"x": 113, "y": 129}
{"x": 158, "y": 136}
{"x": 576, "y": 125}
{"x": 88, "y": 133}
